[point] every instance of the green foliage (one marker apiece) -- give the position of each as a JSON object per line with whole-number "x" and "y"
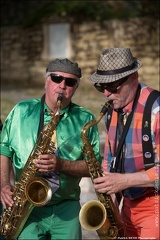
{"x": 28, "y": 13}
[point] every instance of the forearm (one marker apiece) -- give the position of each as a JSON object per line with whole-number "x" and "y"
{"x": 138, "y": 179}
{"x": 52, "y": 163}
{"x": 6, "y": 167}
{"x": 6, "y": 181}
{"x": 116, "y": 182}
{"x": 74, "y": 168}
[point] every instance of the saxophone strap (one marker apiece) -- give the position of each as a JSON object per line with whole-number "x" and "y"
{"x": 41, "y": 122}
{"x": 117, "y": 163}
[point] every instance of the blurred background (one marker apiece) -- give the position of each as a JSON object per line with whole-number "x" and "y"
{"x": 34, "y": 32}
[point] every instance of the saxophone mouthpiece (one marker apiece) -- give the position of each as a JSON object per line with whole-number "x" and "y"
{"x": 60, "y": 97}
{"x": 59, "y": 101}
{"x": 106, "y": 106}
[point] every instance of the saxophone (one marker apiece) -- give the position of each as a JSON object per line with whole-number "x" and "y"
{"x": 101, "y": 215}
{"x": 30, "y": 190}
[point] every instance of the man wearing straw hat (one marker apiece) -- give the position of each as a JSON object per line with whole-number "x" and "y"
{"x": 130, "y": 165}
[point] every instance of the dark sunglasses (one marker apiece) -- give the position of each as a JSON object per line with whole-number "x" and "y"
{"x": 110, "y": 87}
{"x": 56, "y": 78}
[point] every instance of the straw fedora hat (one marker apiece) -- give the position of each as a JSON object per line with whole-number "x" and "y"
{"x": 114, "y": 64}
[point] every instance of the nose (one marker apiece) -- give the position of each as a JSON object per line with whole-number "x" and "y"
{"x": 63, "y": 84}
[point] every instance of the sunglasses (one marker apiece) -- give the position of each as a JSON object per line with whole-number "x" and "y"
{"x": 110, "y": 87}
{"x": 56, "y": 78}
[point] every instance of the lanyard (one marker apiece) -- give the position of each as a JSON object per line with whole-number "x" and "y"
{"x": 117, "y": 162}
{"x": 118, "y": 131}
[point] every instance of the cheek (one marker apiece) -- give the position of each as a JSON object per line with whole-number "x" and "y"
{"x": 124, "y": 95}
{"x": 50, "y": 87}
{"x": 70, "y": 92}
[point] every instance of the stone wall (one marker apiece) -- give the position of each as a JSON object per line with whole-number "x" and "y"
{"x": 21, "y": 49}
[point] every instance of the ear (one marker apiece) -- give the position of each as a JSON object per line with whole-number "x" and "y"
{"x": 46, "y": 83}
{"x": 134, "y": 79}
{"x": 134, "y": 75}
{"x": 46, "y": 80}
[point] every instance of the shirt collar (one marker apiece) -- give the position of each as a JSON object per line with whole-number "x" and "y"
{"x": 128, "y": 108}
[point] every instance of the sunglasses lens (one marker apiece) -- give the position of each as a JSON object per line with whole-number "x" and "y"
{"x": 56, "y": 78}
{"x": 99, "y": 87}
{"x": 111, "y": 90}
{"x": 70, "y": 82}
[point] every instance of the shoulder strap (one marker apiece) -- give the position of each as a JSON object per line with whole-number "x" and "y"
{"x": 108, "y": 118}
{"x": 41, "y": 123}
{"x": 146, "y": 131}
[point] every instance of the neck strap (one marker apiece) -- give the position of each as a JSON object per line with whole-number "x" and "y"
{"x": 41, "y": 122}
{"x": 116, "y": 165}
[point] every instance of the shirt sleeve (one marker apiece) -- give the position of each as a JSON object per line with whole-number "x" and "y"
{"x": 153, "y": 173}
{"x": 4, "y": 141}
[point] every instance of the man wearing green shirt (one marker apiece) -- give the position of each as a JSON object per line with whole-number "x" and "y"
{"x": 65, "y": 166}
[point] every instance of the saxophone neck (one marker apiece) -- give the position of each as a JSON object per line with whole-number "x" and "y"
{"x": 103, "y": 111}
{"x": 59, "y": 103}
{"x": 59, "y": 99}
{"x": 92, "y": 123}
{"x": 105, "y": 107}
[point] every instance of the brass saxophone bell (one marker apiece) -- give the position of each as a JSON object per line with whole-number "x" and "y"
{"x": 38, "y": 192}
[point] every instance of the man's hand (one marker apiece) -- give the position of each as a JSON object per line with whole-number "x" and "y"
{"x": 6, "y": 195}
{"x": 48, "y": 163}
{"x": 110, "y": 183}
{"x": 52, "y": 163}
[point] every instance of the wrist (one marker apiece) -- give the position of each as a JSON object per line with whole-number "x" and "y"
{"x": 4, "y": 184}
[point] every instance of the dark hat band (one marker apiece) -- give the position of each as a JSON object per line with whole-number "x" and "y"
{"x": 116, "y": 71}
